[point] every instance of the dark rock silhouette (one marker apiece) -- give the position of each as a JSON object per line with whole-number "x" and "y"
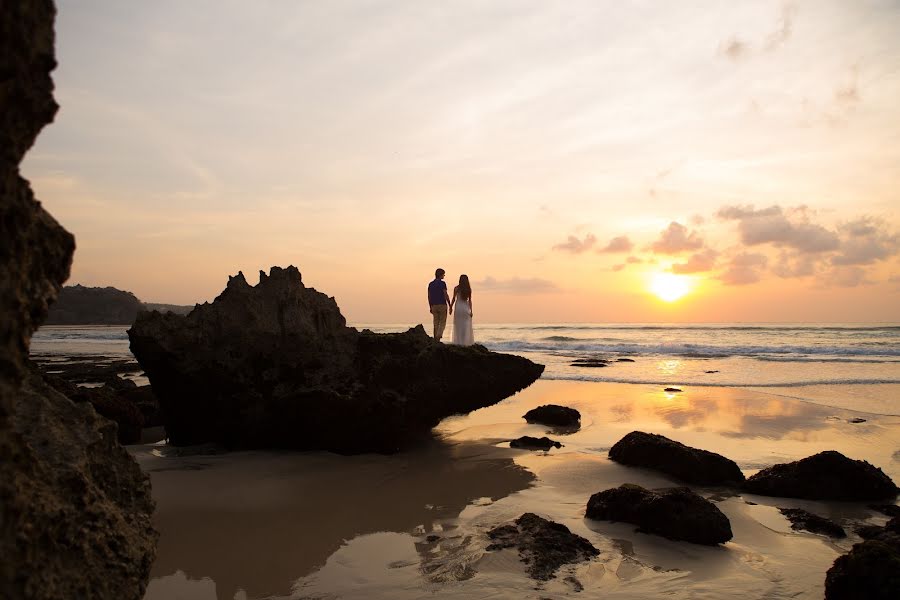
{"x": 79, "y": 305}
{"x": 275, "y": 366}
{"x": 675, "y": 513}
{"x": 671, "y": 389}
{"x": 74, "y": 507}
{"x": 890, "y": 510}
{"x": 554, "y": 415}
{"x": 693, "y": 465}
{"x": 544, "y": 546}
{"x": 824, "y": 476}
{"x": 801, "y": 519}
{"x": 871, "y": 569}
{"x": 526, "y": 442}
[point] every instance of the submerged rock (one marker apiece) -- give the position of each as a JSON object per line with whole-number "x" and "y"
{"x": 676, "y": 513}
{"x": 801, "y": 519}
{"x": 555, "y": 415}
{"x": 692, "y": 465}
{"x": 672, "y": 389}
{"x": 824, "y": 476}
{"x": 275, "y": 366}
{"x": 544, "y": 546}
{"x": 74, "y": 506}
{"x": 526, "y": 442}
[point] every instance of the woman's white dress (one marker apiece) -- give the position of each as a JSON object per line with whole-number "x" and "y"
{"x": 462, "y": 323}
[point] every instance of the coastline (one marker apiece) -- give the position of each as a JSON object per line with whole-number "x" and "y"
{"x": 267, "y": 524}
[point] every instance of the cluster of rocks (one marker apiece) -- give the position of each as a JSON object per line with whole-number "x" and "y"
{"x": 596, "y": 362}
{"x": 561, "y": 419}
{"x": 75, "y": 508}
{"x": 275, "y": 366}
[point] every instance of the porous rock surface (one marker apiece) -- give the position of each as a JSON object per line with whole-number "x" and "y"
{"x": 74, "y": 507}
{"x": 693, "y": 465}
{"x": 275, "y": 366}
{"x": 675, "y": 513}
{"x": 871, "y": 570}
{"x": 827, "y": 475}
{"x": 544, "y": 546}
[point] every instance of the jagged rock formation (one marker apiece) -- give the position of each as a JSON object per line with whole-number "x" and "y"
{"x": 275, "y": 366}
{"x": 74, "y": 507}
{"x": 824, "y": 476}
{"x": 79, "y": 305}
{"x": 693, "y": 465}
{"x": 543, "y": 545}
{"x": 804, "y": 520}
{"x": 675, "y": 513}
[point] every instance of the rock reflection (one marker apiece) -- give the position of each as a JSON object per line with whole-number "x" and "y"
{"x": 255, "y": 522}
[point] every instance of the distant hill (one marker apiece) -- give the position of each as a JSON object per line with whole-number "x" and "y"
{"x": 80, "y": 305}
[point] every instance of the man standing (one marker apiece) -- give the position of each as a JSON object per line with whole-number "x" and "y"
{"x": 438, "y": 303}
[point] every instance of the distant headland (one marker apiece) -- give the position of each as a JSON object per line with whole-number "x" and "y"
{"x": 80, "y": 305}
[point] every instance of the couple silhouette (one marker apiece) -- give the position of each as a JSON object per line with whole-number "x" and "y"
{"x": 440, "y": 305}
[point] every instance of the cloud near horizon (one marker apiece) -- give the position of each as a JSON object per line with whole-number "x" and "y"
{"x": 517, "y": 285}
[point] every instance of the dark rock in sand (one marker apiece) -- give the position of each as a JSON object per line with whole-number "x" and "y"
{"x": 275, "y": 366}
{"x": 825, "y": 476}
{"x": 693, "y": 465}
{"x": 868, "y": 532}
{"x": 555, "y": 415}
{"x": 544, "y": 546}
{"x": 801, "y": 519}
{"x": 856, "y": 420}
{"x": 870, "y": 571}
{"x": 526, "y": 442}
{"x": 671, "y": 389}
{"x": 708, "y": 372}
{"x": 80, "y": 305}
{"x": 74, "y": 506}
{"x": 890, "y": 510}
{"x": 676, "y": 513}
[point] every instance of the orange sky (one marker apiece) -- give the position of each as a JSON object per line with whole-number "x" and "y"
{"x": 560, "y": 154}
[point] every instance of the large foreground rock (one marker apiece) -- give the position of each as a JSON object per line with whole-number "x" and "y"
{"x": 825, "y": 476}
{"x": 676, "y": 513}
{"x": 274, "y": 365}
{"x": 74, "y": 507}
{"x": 543, "y": 545}
{"x": 870, "y": 571}
{"x": 693, "y": 465}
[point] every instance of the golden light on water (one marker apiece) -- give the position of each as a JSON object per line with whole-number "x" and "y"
{"x": 670, "y": 287}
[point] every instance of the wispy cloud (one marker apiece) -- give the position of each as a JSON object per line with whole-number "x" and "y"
{"x": 618, "y": 244}
{"x": 698, "y": 263}
{"x": 576, "y": 245}
{"x": 517, "y": 285}
{"x": 745, "y": 268}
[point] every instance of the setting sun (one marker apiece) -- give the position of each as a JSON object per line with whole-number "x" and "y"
{"x": 669, "y": 287}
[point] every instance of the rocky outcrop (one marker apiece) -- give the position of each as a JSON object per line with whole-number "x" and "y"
{"x": 652, "y": 451}
{"x": 554, "y": 415}
{"x": 80, "y": 305}
{"x": 544, "y": 546}
{"x": 676, "y": 513}
{"x": 526, "y": 442}
{"x": 871, "y": 570}
{"x": 825, "y": 476}
{"x": 74, "y": 507}
{"x": 275, "y": 366}
{"x": 804, "y": 520}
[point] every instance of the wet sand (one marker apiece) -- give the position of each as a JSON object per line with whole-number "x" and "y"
{"x": 316, "y": 525}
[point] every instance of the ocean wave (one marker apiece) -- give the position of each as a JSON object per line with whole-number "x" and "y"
{"x": 893, "y": 329}
{"x": 762, "y": 352}
{"x": 731, "y": 384}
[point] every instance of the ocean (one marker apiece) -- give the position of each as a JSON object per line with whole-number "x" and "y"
{"x": 846, "y": 365}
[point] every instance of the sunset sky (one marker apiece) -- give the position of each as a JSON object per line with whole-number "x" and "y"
{"x": 565, "y": 155}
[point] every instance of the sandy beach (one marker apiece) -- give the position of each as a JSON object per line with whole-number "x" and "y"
{"x": 318, "y": 525}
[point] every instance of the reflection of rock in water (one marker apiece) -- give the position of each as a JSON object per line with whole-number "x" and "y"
{"x": 251, "y": 520}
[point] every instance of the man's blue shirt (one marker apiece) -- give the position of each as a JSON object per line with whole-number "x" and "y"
{"x": 437, "y": 292}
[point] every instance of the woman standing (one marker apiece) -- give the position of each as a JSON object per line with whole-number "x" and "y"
{"x": 462, "y": 314}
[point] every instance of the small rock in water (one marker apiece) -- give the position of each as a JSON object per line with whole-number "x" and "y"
{"x": 596, "y": 364}
{"x": 801, "y": 519}
{"x": 553, "y": 414}
{"x": 526, "y": 442}
{"x": 676, "y": 513}
{"x": 856, "y": 420}
{"x": 693, "y": 465}
{"x": 544, "y": 546}
{"x": 624, "y": 360}
{"x": 825, "y": 476}
{"x": 671, "y": 389}
{"x": 712, "y": 371}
